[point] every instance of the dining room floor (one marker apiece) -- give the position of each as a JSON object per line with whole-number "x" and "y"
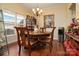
{"x": 57, "y": 50}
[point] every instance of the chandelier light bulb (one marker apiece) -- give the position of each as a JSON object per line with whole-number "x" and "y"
{"x": 41, "y": 10}
{"x": 37, "y": 9}
{"x": 33, "y": 10}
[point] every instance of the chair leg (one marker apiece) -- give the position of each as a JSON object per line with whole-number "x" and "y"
{"x": 52, "y": 44}
{"x": 19, "y": 50}
{"x": 50, "y": 47}
{"x": 29, "y": 51}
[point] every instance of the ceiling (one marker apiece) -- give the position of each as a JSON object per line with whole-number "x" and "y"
{"x": 42, "y": 5}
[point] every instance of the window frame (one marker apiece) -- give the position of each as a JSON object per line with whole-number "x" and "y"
{"x": 15, "y": 20}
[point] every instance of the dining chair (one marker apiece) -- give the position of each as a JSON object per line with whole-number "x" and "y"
{"x": 49, "y": 40}
{"x": 23, "y": 39}
{"x": 43, "y": 29}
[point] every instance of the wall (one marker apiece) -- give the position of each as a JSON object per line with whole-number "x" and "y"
{"x": 61, "y": 17}
{"x": 77, "y": 10}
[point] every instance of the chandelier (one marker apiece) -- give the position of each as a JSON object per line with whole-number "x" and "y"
{"x": 37, "y": 11}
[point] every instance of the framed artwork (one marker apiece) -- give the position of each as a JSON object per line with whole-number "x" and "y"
{"x": 49, "y": 21}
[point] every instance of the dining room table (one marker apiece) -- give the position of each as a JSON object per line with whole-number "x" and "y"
{"x": 38, "y": 36}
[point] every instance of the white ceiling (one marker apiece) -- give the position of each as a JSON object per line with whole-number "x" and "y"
{"x": 42, "y": 5}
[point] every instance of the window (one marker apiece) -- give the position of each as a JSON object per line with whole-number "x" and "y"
{"x": 9, "y": 21}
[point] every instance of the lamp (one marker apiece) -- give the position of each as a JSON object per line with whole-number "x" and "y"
{"x": 37, "y": 11}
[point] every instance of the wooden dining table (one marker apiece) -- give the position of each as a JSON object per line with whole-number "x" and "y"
{"x": 38, "y": 36}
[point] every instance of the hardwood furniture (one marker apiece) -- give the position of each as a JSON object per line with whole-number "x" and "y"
{"x": 3, "y": 38}
{"x": 30, "y": 22}
{"x": 49, "y": 40}
{"x": 38, "y": 36}
{"x": 24, "y": 40}
{"x": 44, "y": 29}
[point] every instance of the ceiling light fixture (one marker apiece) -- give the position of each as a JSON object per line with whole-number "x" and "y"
{"x": 37, "y": 11}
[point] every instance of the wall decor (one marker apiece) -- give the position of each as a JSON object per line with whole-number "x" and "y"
{"x": 49, "y": 21}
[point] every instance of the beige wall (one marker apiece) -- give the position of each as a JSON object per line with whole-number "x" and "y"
{"x": 61, "y": 17}
{"x": 77, "y": 10}
{"x": 18, "y": 8}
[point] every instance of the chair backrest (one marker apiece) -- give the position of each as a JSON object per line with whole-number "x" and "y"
{"x": 21, "y": 35}
{"x": 43, "y": 29}
{"x": 52, "y": 33}
{"x": 51, "y": 29}
{"x": 47, "y": 29}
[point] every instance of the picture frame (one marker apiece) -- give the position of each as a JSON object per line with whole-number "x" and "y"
{"x": 48, "y": 21}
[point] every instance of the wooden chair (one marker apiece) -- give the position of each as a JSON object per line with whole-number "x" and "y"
{"x": 23, "y": 40}
{"x": 49, "y": 40}
{"x": 43, "y": 29}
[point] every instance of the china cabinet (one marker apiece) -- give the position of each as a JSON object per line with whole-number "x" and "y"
{"x": 3, "y": 39}
{"x": 30, "y": 23}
